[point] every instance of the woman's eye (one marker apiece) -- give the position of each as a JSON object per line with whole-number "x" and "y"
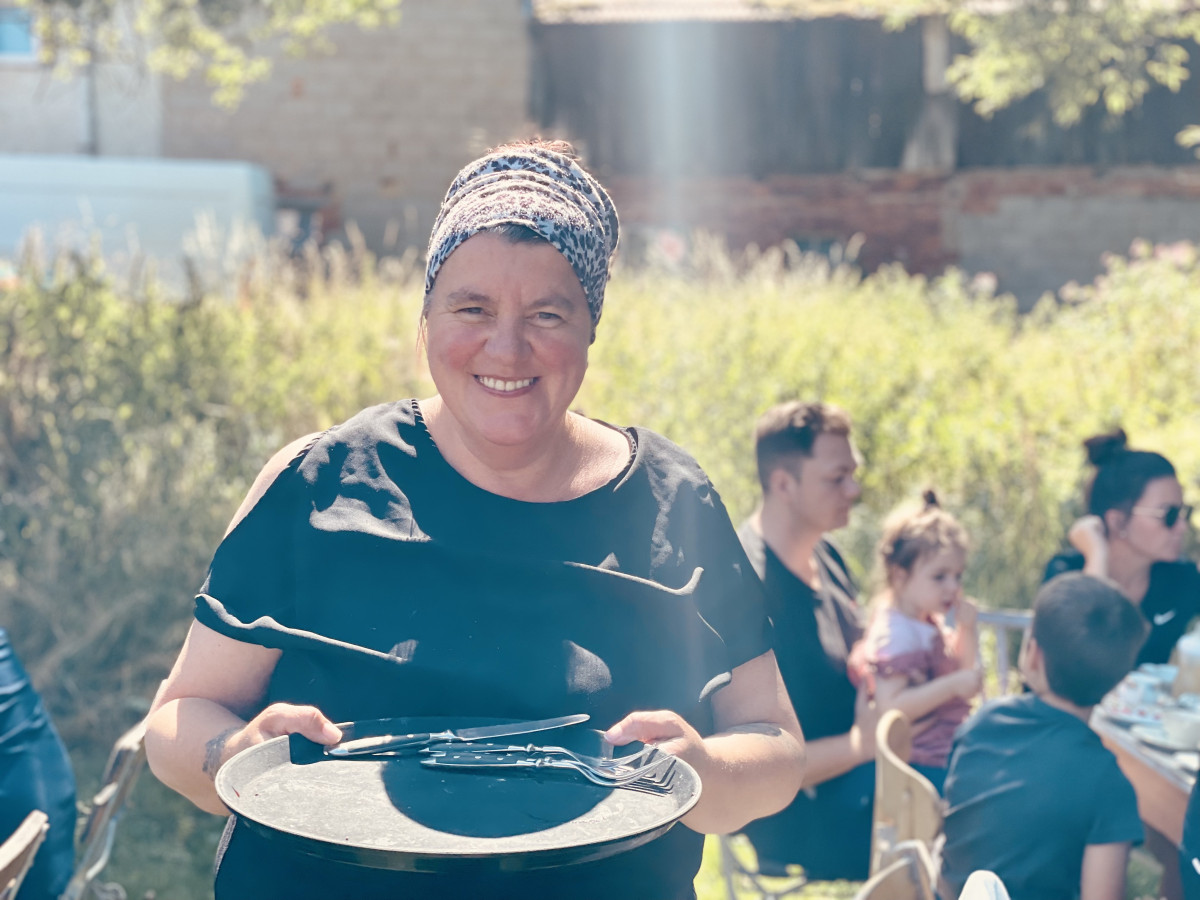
{"x": 544, "y": 316}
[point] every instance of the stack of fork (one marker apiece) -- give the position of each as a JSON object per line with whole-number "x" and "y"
{"x": 649, "y": 769}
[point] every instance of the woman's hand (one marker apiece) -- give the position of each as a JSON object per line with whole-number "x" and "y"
{"x": 279, "y": 719}
{"x": 211, "y": 706}
{"x": 666, "y": 730}
{"x": 1089, "y": 536}
{"x": 751, "y": 766}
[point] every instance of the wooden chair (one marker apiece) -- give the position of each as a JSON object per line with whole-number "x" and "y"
{"x": 908, "y": 808}
{"x": 906, "y": 877}
{"x": 125, "y": 764}
{"x": 18, "y": 851}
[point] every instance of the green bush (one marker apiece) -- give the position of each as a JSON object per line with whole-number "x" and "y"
{"x": 131, "y": 424}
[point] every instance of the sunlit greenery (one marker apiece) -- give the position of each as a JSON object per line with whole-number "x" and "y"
{"x": 132, "y": 423}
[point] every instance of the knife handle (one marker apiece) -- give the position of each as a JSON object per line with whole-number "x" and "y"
{"x": 363, "y": 746}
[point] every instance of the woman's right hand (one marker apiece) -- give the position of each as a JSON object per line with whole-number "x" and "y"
{"x": 211, "y": 707}
{"x": 1087, "y": 535}
{"x": 279, "y": 719}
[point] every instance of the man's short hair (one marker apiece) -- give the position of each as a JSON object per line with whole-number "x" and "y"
{"x": 789, "y": 430}
{"x": 1089, "y": 634}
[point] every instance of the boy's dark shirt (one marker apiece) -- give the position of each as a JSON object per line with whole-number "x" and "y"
{"x": 1172, "y": 600}
{"x": 1028, "y": 788}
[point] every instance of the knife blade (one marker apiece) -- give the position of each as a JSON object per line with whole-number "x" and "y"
{"x": 386, "y": 742}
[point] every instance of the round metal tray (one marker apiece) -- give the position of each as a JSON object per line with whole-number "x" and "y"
{"x": 394, "y": 813}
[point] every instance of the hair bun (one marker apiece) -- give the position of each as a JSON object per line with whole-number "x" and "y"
{"x": 931, "y": 499}
{"x": 1104, "y": 448}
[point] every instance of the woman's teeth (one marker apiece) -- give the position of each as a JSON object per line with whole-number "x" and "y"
{"x": 497, "y": 384}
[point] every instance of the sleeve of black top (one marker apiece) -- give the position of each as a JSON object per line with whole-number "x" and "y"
{"x": 731, "y": 597}
{"x": 250, "y": 579}
{"x": 1061, "y": 563}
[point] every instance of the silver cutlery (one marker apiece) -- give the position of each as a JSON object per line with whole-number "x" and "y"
{"x": 393, "y": 742}
{"x": 533, "y": 750}
{"x": 468, "y": 758}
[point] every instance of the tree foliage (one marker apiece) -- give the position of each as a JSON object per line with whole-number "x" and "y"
{"x": 1080, "y": 52}
{"x": 229, "y": 42}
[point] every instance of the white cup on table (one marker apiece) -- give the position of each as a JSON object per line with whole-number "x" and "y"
{"x": 1182, "y": 726}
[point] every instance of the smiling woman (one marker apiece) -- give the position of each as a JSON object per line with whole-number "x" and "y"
{"x": 486, "y": 552}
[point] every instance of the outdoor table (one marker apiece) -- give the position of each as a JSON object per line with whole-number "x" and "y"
{"x": 1162, "y": 786}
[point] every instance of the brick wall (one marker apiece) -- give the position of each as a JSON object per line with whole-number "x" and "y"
{"x": 1033, "y": 228}
{"x": 385, "y": 121}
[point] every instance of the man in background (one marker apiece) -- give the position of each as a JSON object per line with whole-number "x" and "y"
{"x": 807, "y": 467}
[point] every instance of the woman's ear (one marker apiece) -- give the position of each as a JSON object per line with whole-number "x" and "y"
{"x": 1116, "y": 523}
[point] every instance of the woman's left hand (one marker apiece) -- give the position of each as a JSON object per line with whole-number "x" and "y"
{"x": 666, "y": 730}
{"x": 753, "y": 763}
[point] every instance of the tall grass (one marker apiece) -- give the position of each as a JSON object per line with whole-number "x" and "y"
{"x": 131, "y": 424}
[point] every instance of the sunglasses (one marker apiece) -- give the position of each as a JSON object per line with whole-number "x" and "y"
{"x": 1169, "y": 514}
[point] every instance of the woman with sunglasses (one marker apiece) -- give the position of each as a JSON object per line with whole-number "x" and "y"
{"x": 1133, "y": 533}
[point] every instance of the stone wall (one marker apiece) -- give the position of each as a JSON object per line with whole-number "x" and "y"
{"x": 378, "y": 128}
{"x": 43, "y": 113}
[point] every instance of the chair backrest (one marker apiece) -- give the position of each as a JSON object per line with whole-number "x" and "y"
{"x": 18, "y": 851}
{"x": 903, "y": 878}
{"x": 907, "y": 806}
{"x": 125, "y": 763}
{"x": 1005, "y": 624}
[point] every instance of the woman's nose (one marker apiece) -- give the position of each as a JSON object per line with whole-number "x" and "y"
{"x": 507, "y": 340}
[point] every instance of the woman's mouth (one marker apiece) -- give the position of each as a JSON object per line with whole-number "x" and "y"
{"x": 504, "y": 386}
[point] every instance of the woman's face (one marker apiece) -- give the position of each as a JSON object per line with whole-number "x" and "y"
{"x": 1144, "y": 528}
{"x": 507, "y": 335}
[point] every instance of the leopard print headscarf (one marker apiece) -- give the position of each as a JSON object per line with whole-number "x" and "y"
{"x": 543, "y": 190}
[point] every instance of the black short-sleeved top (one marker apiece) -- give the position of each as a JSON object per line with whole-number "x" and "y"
{"x": 1172, "y": 600}
{"x": 1020, "y": 761}
{"x": 814, "y": 633}
{"x": 394, "y": 586}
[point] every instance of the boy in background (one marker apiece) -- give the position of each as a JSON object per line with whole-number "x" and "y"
{"x": 1031, "y": 792}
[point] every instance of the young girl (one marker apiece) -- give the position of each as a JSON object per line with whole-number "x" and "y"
{"x": 908, "y": 658}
